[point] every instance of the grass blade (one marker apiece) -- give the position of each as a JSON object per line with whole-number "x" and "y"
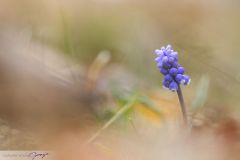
{"x": 201, "y": 94}
{"x": 124, "y": 109}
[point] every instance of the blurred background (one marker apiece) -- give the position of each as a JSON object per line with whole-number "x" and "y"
{"x": 107, "y": 56}
{"x": 204, "y": 33}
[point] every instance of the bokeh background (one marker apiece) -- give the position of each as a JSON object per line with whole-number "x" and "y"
{"x": 205, "y": 33}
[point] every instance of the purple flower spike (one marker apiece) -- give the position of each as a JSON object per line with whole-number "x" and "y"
{"x": 167, "y": 62}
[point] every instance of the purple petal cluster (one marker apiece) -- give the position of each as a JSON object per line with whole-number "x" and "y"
{"x": 167, "y": 62}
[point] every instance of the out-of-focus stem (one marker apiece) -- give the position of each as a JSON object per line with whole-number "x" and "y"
{"x": 123, "y": 110}
{"x": 182, "y": 105}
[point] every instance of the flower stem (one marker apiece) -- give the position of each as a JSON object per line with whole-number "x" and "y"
{"x": 182, "y": 104}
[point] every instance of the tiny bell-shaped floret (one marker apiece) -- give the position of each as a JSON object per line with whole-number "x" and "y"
{"x": 173, "y": 71}
{"x": 173, "y": 86}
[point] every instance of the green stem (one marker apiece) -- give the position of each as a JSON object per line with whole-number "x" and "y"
{"x": 182, "y": 105}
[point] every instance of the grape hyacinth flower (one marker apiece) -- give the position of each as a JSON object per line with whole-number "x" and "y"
{"x": 173, "y": 72}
